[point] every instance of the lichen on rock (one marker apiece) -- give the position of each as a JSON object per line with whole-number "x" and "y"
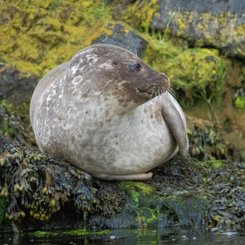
{"x": 209, "y": 23}
{"x": 36, "y": 36}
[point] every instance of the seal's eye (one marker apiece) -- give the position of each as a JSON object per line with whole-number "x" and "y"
{"x": 134, "y": 67}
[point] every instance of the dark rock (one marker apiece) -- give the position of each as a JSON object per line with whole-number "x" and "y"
{"x": 15, "y": 86}
{"x": 214, "y": 6}
{"x": 213, "y": 23}
{"x": 129, "y": 40}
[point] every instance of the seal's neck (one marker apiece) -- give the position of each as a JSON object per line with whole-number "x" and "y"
{"x": 118, "y": 106}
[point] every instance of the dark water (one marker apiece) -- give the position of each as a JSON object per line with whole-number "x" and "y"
{"x": 128, "y": 237}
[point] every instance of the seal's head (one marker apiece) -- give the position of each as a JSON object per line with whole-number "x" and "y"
{"x": 120, "y": 73}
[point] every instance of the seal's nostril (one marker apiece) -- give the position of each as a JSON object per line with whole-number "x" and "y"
{"x": 134, "y": 67}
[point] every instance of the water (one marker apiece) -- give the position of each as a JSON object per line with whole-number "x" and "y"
{"x": 127, "y": 237}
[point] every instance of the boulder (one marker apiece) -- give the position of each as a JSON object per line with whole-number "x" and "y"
{"x": 211, "y": 23}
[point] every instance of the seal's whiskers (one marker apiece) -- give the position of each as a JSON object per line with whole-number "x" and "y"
{"x": 171, "y": 91}
{"x": 152, "y": 93}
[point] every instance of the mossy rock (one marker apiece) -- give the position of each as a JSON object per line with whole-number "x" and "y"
{"x": 36, "y": 36}
{"x": 206, "y": 23}
{"x": 198, "y": 73}
{"x": 138, "y": 14}
{"x": 144, "y": 207}
{"x": 51, "y": 32}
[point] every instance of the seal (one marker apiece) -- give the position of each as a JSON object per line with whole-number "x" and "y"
{"x": 108, "y": 113}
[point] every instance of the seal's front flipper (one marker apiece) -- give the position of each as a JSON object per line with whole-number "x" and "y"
{"x": 175, "y": 119}
{"x": 107, "y": 177}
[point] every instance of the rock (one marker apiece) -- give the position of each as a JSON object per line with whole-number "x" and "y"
{"x": 183, "y": 192}
{"x": 125, "y": 38}
{"x": 15, "y": 86}
{"x": 35, "y": 37}
{"x": 219, "y": 24}
{"x": 36, "y": 189}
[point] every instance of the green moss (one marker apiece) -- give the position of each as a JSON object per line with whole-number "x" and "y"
{"x": 240, "y": 102}
{"x": 6, "y": 105}
{"x": 143, "y": 198}
{"x": 44, "y": 233}
{"x": 78, "y": 232}
{"x": 5, "y": 128}
{"x": 199, "y": 73}
{"x": 137, "y": 190}
{"x": 84, "y": 232}
{"x": 210, "y": 164}
{"x": 46, "y": 33}
{"x": 139, "y": 14}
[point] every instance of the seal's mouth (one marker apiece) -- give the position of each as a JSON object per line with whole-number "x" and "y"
{"x": 151, "y": 93}
{"x": 146, "y": 94}
{"x": 156, "y": 88}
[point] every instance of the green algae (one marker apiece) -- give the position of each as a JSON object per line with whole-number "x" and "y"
{"x": 145, "y": 202}
{"x": 240, "y": 102}
{"x": 137, "y": 189}
{"x": 210, "y": 163}
{"x": 36, "y": 36}
{"x": 75, "y": 232}
{"x": 151, "y": 208}
{"x": 6, "y": 105}
{"x": 83, "y": 232}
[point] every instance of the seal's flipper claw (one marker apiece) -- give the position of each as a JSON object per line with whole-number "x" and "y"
{"x": 107, "y": 177}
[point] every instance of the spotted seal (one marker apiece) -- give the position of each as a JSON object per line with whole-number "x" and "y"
{"x": 108, "y": 113}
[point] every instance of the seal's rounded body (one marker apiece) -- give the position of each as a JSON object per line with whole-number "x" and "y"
{"x": 108, "y": 113}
